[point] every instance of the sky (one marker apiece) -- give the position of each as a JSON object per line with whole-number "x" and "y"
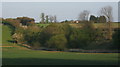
{"x": 63, "y": 10}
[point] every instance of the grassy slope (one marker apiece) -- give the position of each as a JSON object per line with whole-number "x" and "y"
{"x": 6, "y": 36}
{"x": 22, "y": 56}
{"x": 0, "y": 34}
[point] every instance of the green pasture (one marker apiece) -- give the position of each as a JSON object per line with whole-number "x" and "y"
{"x": 42, "y": 25}
{"x": 6, "y": 35}
{"x": 23, "y": 56}
{"x": 97, "y": 25}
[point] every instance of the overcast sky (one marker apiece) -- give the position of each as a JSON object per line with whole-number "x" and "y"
{"x": 63, "y": 10}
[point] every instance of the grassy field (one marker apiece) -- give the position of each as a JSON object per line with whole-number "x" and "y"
{"x": 43, "y": 25}
{"x": 97, "y": 25}
{"x": 6, "y": 36}
{"x": 114, "y": 25}
{"x": 18, "y": 55}
{"x": 22, "y": 56}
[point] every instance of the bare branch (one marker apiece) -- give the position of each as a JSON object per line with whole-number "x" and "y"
{"x": 84, "y": 15}
{"x": 107, "y": 11}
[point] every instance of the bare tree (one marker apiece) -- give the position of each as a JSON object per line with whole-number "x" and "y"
{"x": 84, "y": 15}
{"x": 42, "y": 18}
{"x": 55, "y": 19}
{"x": 107, "y": 11}
{"x": 51, "y": 18}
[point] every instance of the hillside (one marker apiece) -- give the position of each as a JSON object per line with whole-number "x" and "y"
{"x": 7, "y": 40}
{"x": 6, "y": 35}
{"x": 17, "y": 55}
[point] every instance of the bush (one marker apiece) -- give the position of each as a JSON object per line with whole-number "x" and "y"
{"x": 29, "y": 35}
{"x": 52, "y": 30}
{"x": 77, "y": 39}
{"x": 116, "y": 39}
{"x": 87, "y": 36}
{"x": 19, "y": 35}
{"x": 58, "y": 42}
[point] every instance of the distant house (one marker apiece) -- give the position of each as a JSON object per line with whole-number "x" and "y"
{"x": 77, "y": 21}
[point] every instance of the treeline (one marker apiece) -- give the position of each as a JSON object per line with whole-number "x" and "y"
{"x": 60, "y": 36}
{"x": 47, "y": 18}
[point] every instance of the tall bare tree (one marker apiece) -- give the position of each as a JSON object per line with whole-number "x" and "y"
{"x": 55, "y": 19}
{"x": 51, "y": 18}
{"x": 107, "y": 12}
{"x": 84, "y": 15}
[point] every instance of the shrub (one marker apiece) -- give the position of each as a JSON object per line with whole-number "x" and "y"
{"x": 74, "y": 41}
{"x": 52, "y": 30}
{"x": 58, "y": 42}
{"x": 29, "y": 35}
{"x": 116, "y": 39}
{"x": 91, "y": 32}
{"x": 32, "y": 34}
{"x": 86, "y": 36}
{"x": 19, "y": 35}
